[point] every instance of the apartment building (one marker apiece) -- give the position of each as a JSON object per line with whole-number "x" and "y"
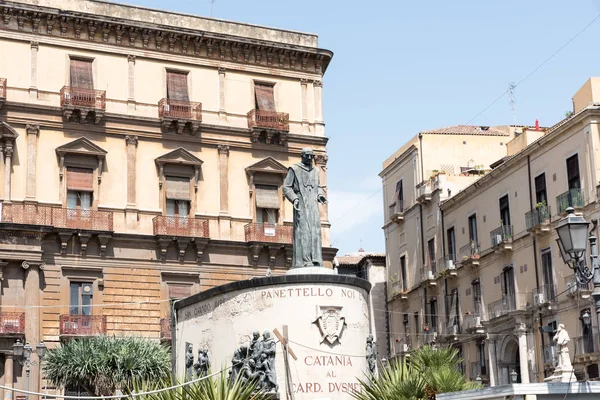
{"x": 143, "y": 154}
{"x": 502, "y": 288}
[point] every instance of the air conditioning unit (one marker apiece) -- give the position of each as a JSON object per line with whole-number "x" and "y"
{"x": 405, "y": 347}
{"x": 430, "y": 275}
{"x": 476, "y": 321}
{"x": 498, "y": 239}
{"x": 451, "y": 265}
{"x": 539, "y": 299}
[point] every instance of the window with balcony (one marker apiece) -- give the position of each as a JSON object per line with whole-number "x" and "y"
{"x": 81, "y": 75}
{"x": 541, "y": 196}
{"x": 403, "y": 273}
{"x": 264, "y": 97}
{"x": 417, "y": 324}
{"x": 507, "y": 287}
{"x": 397, "y": 204}
{"x": 267, "y": 204}
{"x": 504, "y": 211}
{"x": 453, "y": 315}
{"x": 473, "y": 237}
{"x": 177, "y": 196}
{"x": 573, "y": 172}
{"x": 264, "y": 116}
{"x": 406, "y": 326}
{"x": 451, "y": 244}
{"x": 80, "y": 188}
{"x": 78, "y": 99}
{"x": 549, "y": 289}
{"x": 481, "y": 358}
{"x": 431, "y": 254}
{"x": 177, "y": 86}
{"x": 476, "y": 290}
{"x": 433, "y": 311}
{"x": 80, "y": 298}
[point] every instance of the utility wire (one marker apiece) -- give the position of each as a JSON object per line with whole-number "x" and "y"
{"x": 535, "y": 69}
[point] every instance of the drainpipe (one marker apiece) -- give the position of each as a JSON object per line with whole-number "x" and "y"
{"x": 538, "y": 333}
{"x": 421, "y": 205}
{"x": 443, "y": 234}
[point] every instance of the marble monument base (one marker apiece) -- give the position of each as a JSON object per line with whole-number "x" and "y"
{"x": 240, "y": 324}
{"x": 562, "y": 375}
{"x": 311, "y": 271}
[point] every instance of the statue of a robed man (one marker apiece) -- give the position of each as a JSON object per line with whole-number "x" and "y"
{"x": 301, "y": 188}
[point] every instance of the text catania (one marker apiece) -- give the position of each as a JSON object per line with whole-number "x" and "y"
{"x": 328, "y": 361}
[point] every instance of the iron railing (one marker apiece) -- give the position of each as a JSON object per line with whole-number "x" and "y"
{"x": 478, "y": 369}
{"x": 586, "y": 344}
{"x": 550, "y": 354}
{"x": 502, "y": 234}
{"x": 270, "y": 233}
{"x": 403, "y": 345}
{"x": 573, "y": 286}
{"x": 544, "y": 294}
{"x": 70, "y": 218}
{"x": 178, "y": 109}
{"x": 537, "y": 216}
{"x": 12, "y": 323}
{"x": 165, "y": 328}
{"x": 508, "y": 304}
{"x": 424, "y": 190}
{"x": 427, "y": 274}
{"x": 81, "y": 97}
{"x": 473, "y": 320}
{"x": 3, "y": 87}
{"x": 453, "y": 329}
{"x": 269, "y": 120}
{"x": 180, "y": 226}
{"x": 447, "y": 263}
{"x": 82, "y": 325}
{"x": 469, "y": 251}
{"x": 570, "y": 198}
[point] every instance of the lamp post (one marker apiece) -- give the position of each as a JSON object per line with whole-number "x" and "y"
{"x": 23, "y": 355}
{"x": 514, "y": 376}
{"x": 572, "y": 233}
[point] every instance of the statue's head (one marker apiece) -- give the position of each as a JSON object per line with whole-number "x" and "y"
{"x": 256, "y": 335}
{"x": 266, "y": 335}
{"x": 251, "y": 362}
{"x": 370, "y": 339}
{"x": 263, "y": 356}
{"x": 307, "y": 156}
{"x": 560, "y": 327}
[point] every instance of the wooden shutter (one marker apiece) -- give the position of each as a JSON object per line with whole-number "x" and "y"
{"x": 177, "y": 88}
{"x": 179, "y": 291}
{"x": 81, "y": 73}
{"x": 265, "y": 99}
{"x": 178, "y": 188}
{"x": 267, "y": 197}
{"x": 398, "y": 191}
{"x": 80, "y": 179}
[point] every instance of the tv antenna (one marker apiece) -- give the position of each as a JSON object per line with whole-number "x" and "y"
{"x": 212, "y": 3}
{"x": 511, "y": 99}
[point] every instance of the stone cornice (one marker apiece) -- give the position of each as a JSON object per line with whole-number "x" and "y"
{"x": 45, "y": 21}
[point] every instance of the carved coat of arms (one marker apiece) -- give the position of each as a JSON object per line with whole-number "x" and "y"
{"x": 331, "y": 323}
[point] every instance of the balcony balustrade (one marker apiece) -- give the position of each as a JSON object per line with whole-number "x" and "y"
{"x": 537, "y": 220}
{"x": 269, "y": 233}
{"x": 84, "y": 102}
{"x": 2, "y": 91}
{"x": 397, "y": 211}
{"x": 68, "y": 218}
{"x": 586, "y": 344}
{"x": 82, "y": 325}
{"x": 403, "y": 346}
{"x": 469, "y": 254}
{"x": 165, "y": 329}
{"x": 571, "y": 198}
{"x": 478, "y": 369}
{"x": 544, "y": 295}
{"x": 472, "y": 323}
{"x": 180, "y": 113}
{"x": 502, "y": 237}
{"x": 424, "y": 190}
{"x": 574, "y": 288}
{"x": 550, "y": 355}
{"x": 271, "y": 120}
{"x": 180, "y": 226}
{"x": 12, "y": 323}
{"x": 508, "y": 304}
{"x": 399, "y": 290}
{"x": 428, "y": 274}
{"x": 447, "y": 266}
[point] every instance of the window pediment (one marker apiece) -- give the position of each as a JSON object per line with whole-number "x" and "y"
{"x": 179, "y": 156}
{"x": 82, "y": 146}
{"x": 268, "y": 165}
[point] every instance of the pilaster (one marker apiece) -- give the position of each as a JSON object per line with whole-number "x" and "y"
{"x": 8, "y": 375}
{"x": 224, "y": 218}
{"x": 33, "y": 71}
{"x": 521, "y": 333}
{"x": 304, "y": 85}
{"x": 33, "y": 132}
{"x": 131, "y": 212}
{"x": 8, "y": 152}
{"x": 222, "y": 110}
{"x": 131, "y": 83}
{"x": 318, "y": 93}
{"x": 32, "y": 313}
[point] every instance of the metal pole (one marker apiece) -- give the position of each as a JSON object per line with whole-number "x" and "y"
{"x": 596, "y": 271}
{"x": 27, "y": 369}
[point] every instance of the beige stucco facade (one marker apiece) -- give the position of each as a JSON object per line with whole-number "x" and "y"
{"x": 131, "y": 137}
{"x": 500, "y": 285}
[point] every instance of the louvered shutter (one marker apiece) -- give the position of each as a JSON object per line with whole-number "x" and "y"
{"x": 81, "y": 74}
{"x": 267, "y": 197}
{"x": 265, "y": 99}
{"x": 177, "y": 88}
{"x": 178, "y": 188}
{"x": 80, "y": 179}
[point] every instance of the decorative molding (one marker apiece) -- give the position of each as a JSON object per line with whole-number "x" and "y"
{"x": 222, "y": 70}
{"x": 32, "y": 129}
{"x": 27, "y": 264}
{"x": 304, "y": 82}
{"x": 318, "y": 83}
{"x": 35, "y": 45}
{"x": 72, "y": 24}
{"x": 223, "y": 149}
{"x": 131, "y": 58}
{"x": 268, "y": 165}
{"x": 321, "y": 159}
{"x": 131, "y": 140}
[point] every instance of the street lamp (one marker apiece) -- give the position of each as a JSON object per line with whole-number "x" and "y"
{"x": 514, "y": 376}
{"x": 23, "y": 355}
{"x": 586, "y": 318}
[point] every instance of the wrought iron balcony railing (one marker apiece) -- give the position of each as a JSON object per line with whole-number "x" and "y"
{"x": 428, "y": 274}
{"x": 270, "y": 233}
{"x": 447, "y": 266}
{"x": 3, "y": 88}
{"x": 82, "y": 325}
{"x": 570, "y": 198}
{"x": 473, "y": 321}
{"x": 469, "y": 253}
{"x": 550, "y": 354}
{"x": 12, "y": 323}
{"x": 165, "y": 328}
{"x": 538, "y": 218}
{"x": 69, "y": 218}
{"x": 586, "y": 344}
{"x": 544, "y": 294}
{"x": 573, "y": 287}
{"x": 501, "y": 235}
{"x": 178, "y": 109}
{"x": 75, "y": 97}
{"x": 508, "y": 304}
{"x": 277, "y": 121}
{"x": 180, "y": 226}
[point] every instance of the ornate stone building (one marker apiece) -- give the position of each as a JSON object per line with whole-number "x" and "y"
{"x": 143, "y": 154}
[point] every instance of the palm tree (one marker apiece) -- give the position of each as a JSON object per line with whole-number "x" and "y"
{"x": 101, "y": 364}
{"x": 428, "y": 372}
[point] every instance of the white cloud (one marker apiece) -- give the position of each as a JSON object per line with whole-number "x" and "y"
{"x": 349, "y": 209}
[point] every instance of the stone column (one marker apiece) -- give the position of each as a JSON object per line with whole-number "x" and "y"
{"x": 131, "y": 142}
{"x": 33, "y": 132}
{"x": 224, "y": 218}
{"x": 521, "y": 332}
{"x": 222, "y": 111}
{"x": 32, "y": 316}
{"x": 304, "y": 84}
{"x": 319, "y": 124}
{"x": 131, "y": 83}
{"x": 8, "y": 151}
{"x": 33, "y": 81}
{"x": 8, "y": 375}
{"x": 492, "y": 363}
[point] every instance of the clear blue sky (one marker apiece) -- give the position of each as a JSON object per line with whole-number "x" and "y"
{"x": 401, "y": 67}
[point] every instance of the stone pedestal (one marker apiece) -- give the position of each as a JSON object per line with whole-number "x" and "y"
{"x": 327, "y": 319}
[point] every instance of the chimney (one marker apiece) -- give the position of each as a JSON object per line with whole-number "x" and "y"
{"x": 537, "y": 125}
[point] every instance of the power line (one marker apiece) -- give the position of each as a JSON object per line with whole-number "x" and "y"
{"x": 535, "y": 69}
